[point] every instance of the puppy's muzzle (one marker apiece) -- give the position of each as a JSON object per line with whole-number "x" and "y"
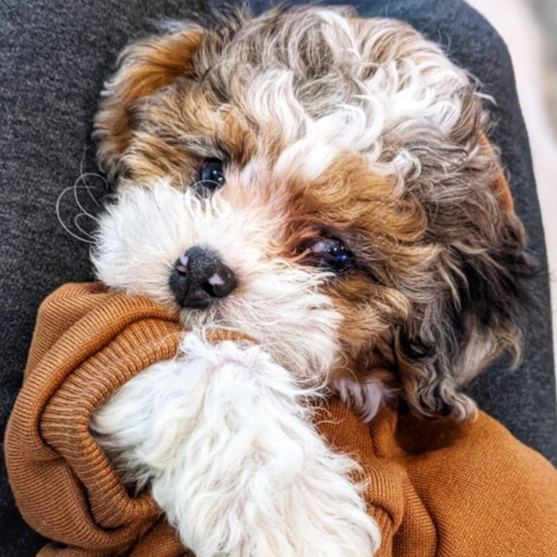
{"x": 199, "y": 278}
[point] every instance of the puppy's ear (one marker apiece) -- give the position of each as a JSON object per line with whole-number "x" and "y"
{"x": 144, "y": 68}
{"x": 500, "y": 186}
{"x": 482, "y": 286}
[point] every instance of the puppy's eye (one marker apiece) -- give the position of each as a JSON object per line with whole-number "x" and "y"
{"x": 211, "y": 175}
{"x": 331, "y": 254}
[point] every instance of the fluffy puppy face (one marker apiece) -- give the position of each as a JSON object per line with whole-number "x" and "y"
{"x": 338, "y": 167}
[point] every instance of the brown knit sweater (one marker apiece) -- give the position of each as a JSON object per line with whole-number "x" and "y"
{"x": 436, "y": 487}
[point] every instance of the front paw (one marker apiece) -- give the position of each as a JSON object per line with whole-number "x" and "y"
{"x": 364, "y": 398}
{"x": 234, "y": 461}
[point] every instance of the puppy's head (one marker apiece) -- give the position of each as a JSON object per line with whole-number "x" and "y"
{"x": 321, "y": 183}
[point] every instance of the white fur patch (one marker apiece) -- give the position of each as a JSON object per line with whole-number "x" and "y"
{"x": 223, "y": 436}
{"x": 375, "y": 100}
{"x": 277, "y": 304}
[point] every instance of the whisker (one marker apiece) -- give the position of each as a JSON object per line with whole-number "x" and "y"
{"x": 64, "y": 226}
{"x": 83, "y": 175}
{"x": 88, "y": 238}
{"x": 76, "y": 198}
{"x": 80, "y": 228}
{"x": 89, "y": 188}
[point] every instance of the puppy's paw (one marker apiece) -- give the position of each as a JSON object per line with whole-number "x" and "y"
{"x": 224, "y": 437}
{"x": 364, "y": 398}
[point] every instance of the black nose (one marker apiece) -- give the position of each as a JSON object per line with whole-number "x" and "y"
{"x": 199, "y": 276}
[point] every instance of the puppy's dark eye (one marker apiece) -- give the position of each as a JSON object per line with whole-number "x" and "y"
{"x": 211, "y": 175}
{"x": 331, "y": 254}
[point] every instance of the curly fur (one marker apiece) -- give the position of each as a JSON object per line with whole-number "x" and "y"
{"x": 291, "y": 97}
{"x": 329, "y": 125}
{"x": 228, "y": 430}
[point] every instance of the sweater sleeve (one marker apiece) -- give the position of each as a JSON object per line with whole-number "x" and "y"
{"x": 87, "y": 343}
{"x": 443, "y": 488}
{"x": 383, "y": 479}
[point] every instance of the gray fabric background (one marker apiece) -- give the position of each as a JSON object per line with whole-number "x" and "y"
{"x": 54, "y": 55}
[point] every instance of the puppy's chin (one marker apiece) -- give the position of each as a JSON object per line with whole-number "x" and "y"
{"x": 286, "y": 316}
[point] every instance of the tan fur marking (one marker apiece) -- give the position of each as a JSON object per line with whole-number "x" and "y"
{"x": 145, "y": 67}
{"x": 500, "y": 185}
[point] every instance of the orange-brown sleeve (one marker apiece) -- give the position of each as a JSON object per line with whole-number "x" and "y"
{"x": 441, "y": 488}
{"x": 87, "y": 343}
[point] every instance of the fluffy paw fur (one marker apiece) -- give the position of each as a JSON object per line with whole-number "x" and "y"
{"x": 224, "y": 437}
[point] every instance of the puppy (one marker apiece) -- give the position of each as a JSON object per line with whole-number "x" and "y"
{"x": 321, "y": 184}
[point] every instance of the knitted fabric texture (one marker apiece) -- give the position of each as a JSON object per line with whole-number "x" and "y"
{"x": 435, "y": 487}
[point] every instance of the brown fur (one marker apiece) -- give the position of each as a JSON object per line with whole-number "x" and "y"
{"x": 441, "y": 262}
{"x": 145, "y": 68}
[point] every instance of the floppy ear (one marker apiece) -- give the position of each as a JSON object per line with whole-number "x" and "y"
{"x": 143, "y": 68}
{"x": 485, "y": 270}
